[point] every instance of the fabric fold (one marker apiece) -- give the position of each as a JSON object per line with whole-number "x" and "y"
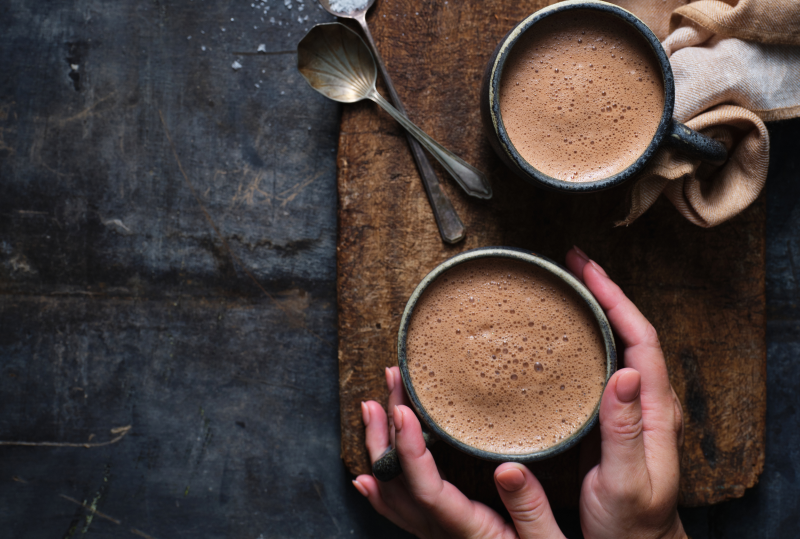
{"x": 736, "y": 65}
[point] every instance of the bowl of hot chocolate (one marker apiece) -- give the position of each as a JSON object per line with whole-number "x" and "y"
{"x": 504, "y": 355}
{"x": 579, "y": 97}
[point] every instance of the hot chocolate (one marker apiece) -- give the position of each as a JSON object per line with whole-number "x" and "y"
{"x": 505, "y": 356}
{"x": 581, "y": 95}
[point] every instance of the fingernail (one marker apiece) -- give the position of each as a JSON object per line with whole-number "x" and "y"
{"x": 580, "y": 253}
{"x": 365, "y": 413}
{"x": 600, "y": 270}
{"x": 397, "y": 414}
{"x": 389, "y": 379}
{"x": 361, "y": 488}
{"x": 628, "y": 386}
{"x": 511, "y": 479}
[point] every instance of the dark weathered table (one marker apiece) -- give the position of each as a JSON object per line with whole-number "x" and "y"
{"x": 167, "y": 262}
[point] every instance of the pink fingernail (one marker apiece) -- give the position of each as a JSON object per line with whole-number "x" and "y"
{"x": 580, "y": 253}
{"x": 365, "y": 413}
{"x": 600, "y": 270}
{"x": 511, "y": 479}
{"x": 361, "y": 488}
{"x": 398, "y": 419}
{"x": 629, "y": 385}
{"x": 389, "y": 379}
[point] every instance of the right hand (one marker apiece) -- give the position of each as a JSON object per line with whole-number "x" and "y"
{"x": 633, "y": 491}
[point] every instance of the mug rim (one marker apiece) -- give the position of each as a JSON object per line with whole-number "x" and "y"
{"x": 552, "y": 268}
{"x": 498, "y": 63}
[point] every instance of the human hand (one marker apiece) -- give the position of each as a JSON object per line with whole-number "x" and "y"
{"x": 421, "y": 502}
{"x": 633, "y": 492}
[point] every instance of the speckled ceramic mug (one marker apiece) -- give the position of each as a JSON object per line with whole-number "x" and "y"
{"x": 388, "y": 466}
{"x": 668, "y": 131}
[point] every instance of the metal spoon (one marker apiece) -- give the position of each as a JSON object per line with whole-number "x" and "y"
{"x": 336, "y": 62}
{"x": 450, "y": 226}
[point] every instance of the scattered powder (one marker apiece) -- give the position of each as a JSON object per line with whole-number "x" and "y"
{"x": 346, "y": 6}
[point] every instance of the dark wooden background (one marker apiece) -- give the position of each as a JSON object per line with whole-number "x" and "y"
{"x": 121, "y": 141}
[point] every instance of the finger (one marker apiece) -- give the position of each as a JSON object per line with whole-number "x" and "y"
{"x": 377, "y": 441}
{"x": 368, "y": 486}
{"x": 442, "y": 500}
{"x": 397, "y": 392}
{"x": 419, "y": 469}
{"x": 576, "y": 260}
{"x": 377, "y": 432}
{"x": 622, "y": 453}
{"x": 642, "y": 349}
{"x": 397, "y": 395}
{"x": 526, "y": 501}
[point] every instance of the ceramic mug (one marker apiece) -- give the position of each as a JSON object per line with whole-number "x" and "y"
{"x": 388, "y": 466}
{"x": 669, "y": 131}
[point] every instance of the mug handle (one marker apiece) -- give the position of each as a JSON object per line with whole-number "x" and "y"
{"x": 387, "y": 467}
{"x": 693, "y": 143}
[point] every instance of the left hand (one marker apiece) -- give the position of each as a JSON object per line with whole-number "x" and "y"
{"x": 421, "y": 502}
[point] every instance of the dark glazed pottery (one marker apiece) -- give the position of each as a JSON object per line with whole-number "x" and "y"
{"x": 388, "y": 466}
{"x": 670, "y": 131}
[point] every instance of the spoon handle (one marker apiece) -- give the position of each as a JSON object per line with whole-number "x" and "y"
{"x": 468, "y": 177}
{"x": 450, "y": 226}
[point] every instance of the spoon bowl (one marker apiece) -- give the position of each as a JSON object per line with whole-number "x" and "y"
{"x": 336, "y": 63}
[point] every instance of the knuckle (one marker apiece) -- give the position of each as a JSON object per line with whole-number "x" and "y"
{"x": 651, "y": 336}
{"x": 427, "y": 499}
{"x": 424, "y": 500}
{"x": 529, "y": 508}
{"x": 626, "y": 428}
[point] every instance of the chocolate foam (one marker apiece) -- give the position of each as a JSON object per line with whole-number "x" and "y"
{"x": 581, "y": 95}
{"x": 504, "y": 356}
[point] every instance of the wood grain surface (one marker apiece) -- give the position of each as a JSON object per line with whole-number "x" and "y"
{"x": 702, "y": 289}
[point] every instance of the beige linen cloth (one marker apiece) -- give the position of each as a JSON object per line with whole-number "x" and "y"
{"x": 736, "y": 65}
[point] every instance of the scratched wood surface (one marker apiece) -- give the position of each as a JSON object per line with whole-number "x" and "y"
{"x": 121, "y": 305}
{"x": 702, "y": 289}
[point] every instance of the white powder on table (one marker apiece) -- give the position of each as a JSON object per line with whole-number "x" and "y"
{"x": 346, "y": 6}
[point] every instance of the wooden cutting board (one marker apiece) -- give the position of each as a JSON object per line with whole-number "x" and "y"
{"x": 702, "y": 289}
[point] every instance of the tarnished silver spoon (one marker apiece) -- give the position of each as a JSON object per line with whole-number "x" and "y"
{"x": 450, "y": 226}
{"x": 337, "y": 63}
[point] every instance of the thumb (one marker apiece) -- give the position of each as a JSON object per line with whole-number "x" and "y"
{"x": 622, "y": 456}
{"x": 524, "y": 497}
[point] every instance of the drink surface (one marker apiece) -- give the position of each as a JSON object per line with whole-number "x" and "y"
{"x": 581, "y": 95}
{"x": 504, "y": 356}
